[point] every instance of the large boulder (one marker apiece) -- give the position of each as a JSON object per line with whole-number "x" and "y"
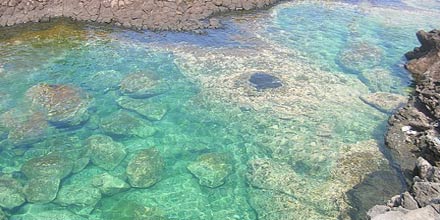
{"x": 151, "y": 110}
{"x": 142, "y": 85}
{"x": 426, "y": 193}
{"x": 125, "y": 124}
{"x": 23, "y": 126}
{"x": 63, "y": 104}
{"x": 109, "y": 185}
{"x": 104, "y": 152}
{"x": 51, "y": 165}
{"x": 145, "y": 168}
{"x": 359, "y": 56}
{"x": 11, "y": 193}
{"x": 42, "y": 189}
{"x": 211, "y": 169}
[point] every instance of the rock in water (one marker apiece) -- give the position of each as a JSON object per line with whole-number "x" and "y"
{"x": 48, "y": 215}
{"x": 380, "y": 80}
{"x": 211, "y": 169}
{"x": 24, "y": 126}
{"x": 42, "y": 189}
{"x": 129, "y": 210}
{"x": 145, "y": 169}
{"x": 104, "y": 81}
{"x": 152, "y": 111}
{"x": 263, "y": 81}
{"x": 385, "y": 102}
{"x": 109, "y": 185}
{"x": 104, "y": 152}
{"x": 142, "y": 85}
{"x": 123, "y": 123}
{"x": 51, "y": 165}
{"x": 359, "y": 56}
{"x": 3, "y": 215}
{"x": 63, "y": 104}
{"x": 80, "y": 198}
{"x": 10, "y": 193}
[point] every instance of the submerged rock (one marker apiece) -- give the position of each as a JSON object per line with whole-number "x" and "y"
{"x": 380, "y": 80}
{"x": 152, "y": 111}
{"x": 109, "y": 185}
{"x": 211, "y": 169}
{"x": 63, "y": 104}
{"x": 145, "y": 168}
{"x": 271, "y": 175}
{"x": 359, "y": 56}
{"x": 79, "y": 198}
{"x": 104, "y": 81}
{"x": 122, "y": 123}
{"x": 48, "y": 215}
{"x": 42, "y": 189}
{"x": 3, "y": 215}
{"x": 142, "y": 85}
{"x": 385, "y": 102}
{"x": 104, "y": 152}
{"x": 11, "y": 194}
{"x": 24, "y": 126}
{"x": 129, "y": 210}
{"x": 51, "y": 165}
{"x": 264, "y": 81}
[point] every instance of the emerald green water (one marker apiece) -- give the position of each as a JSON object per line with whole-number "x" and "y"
{"x": 287, "y": 153}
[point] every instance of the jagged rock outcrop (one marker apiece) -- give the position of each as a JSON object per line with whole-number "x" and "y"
{"x": 414, "y": 135}
{"x": 149, "y": 14}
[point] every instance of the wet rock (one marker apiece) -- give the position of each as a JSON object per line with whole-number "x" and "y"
{"x": 104, "y": 152}
{"x": 379, "y": 80}
{"x": 359, "y": 56}
{"x": 152, "y": 111}
{"x": 385, "y": 102}
{"x": 142, "y": 85}
{"x": 109, "y": 185}
{"x": 63, "y": 104}
{"x": 426, "y": 193}
{"x": 11, "y": 194}
{"x": 271, "y": 175}
{"x": 24, "y": 126}
{"x": 42, "y": 189}
{"x": 263, "y": 81}
{"x": 78, "y": 197}
{"x": 132, "y": 210}
{"x": 427, "y": 212}
{"x": 145, "y": 168}
{"x": 104, "y": 81}
{"x": 51, "y": 165}
{"x": 211, "y": 169}
{"x": 122, "y": 123}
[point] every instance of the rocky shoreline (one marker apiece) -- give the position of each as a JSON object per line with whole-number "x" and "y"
{"x": 413, "y": 138}
{"x": 176, "y": 15}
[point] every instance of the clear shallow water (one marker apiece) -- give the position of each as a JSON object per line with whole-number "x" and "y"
{"x": 289, "y": 153}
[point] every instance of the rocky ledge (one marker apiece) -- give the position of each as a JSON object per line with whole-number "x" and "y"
{"x": 413, "y": 138}
{"x": 175, "y": 15}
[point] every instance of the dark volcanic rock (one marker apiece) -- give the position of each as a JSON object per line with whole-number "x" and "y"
{"x": 264, "y": 81}
{"x": 151, "y": 14}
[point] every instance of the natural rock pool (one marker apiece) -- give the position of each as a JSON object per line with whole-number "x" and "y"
{"x": 279, "y": 115}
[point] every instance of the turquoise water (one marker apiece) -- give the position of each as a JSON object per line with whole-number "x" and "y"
{"x": 105, "y": 123}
